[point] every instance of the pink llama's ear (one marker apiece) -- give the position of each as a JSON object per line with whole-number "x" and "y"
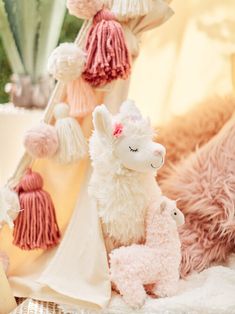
{"x": 163, "y": 206}
{"x": 118, "y": 130}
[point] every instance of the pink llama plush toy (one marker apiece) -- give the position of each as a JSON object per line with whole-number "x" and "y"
{"x": 157, "y": 262}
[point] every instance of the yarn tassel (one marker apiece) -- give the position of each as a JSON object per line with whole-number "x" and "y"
{"x": 80, "y": 98}
{"x": 35, "y": 226}
{"x": 72, "y": 143}
{"x": 129, "y": 9}
{"x": 107, "y": 55}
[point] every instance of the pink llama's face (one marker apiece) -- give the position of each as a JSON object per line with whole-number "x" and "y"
{"x": 140, "y": 153}
{"x": 170, "y": 208}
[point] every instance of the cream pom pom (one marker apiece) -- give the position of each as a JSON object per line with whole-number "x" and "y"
{"x": 41, "y": 141}
{"x": 72, "y": 143}
{"x": 84, "y": 9}
{"x": 9, "y": 206}
{"x": 66, "y": 62}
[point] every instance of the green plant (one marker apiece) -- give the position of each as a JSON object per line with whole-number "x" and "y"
{"x": 29, "y": 30}
{"x": 68, "y": 33}
{"x": 5, "y": 72}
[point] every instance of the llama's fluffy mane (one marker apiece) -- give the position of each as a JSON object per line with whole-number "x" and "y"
{"x": 121, "y": 194}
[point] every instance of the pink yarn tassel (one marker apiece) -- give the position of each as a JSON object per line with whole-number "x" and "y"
{"x": 107, "y": 55}
{"x": 80, "y": 98}
{"x": 35, "y": 226}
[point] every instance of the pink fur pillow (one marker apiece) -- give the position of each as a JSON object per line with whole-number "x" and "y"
{"x": 182, "y": 134}
{"x": 204, "y": 183}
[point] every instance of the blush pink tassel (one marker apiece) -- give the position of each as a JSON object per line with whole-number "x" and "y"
{"x": 107, "y": 55}
{"x": 80, "y": 97}
{"x": 35, "y": 226}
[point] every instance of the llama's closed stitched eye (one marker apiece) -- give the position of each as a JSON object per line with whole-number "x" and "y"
{"x": 133, "y": 149}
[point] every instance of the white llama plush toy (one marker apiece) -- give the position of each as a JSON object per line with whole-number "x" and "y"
{"x": 157, "y": 262}
{"x": 125, "y": 161}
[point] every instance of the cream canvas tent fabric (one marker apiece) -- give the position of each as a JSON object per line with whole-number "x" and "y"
{"x": 169, "y": 56}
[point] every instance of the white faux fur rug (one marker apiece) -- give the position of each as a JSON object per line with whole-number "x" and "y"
{"x": 210, "y": 292}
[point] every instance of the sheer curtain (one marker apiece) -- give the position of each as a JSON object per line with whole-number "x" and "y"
{"x": 185, "y": 60}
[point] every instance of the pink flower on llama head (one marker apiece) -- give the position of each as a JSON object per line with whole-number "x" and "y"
{"x": 118, "y": 130}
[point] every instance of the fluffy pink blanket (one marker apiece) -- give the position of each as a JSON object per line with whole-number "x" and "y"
{"x": 204, "y": 183}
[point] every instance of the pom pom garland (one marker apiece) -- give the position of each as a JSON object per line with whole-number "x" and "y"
{"x": 36, "y": 226}
{"x": 73, "y": 145}
{"x": 84, "y": 9}
{"x": 66, "y": 62}
{"x": 129, "y": 9}
{"x": 9, "y": 207}
{"x": 41, "y": 141}
{"x": 107, "y": 55}
{"x": 80, "y": 98}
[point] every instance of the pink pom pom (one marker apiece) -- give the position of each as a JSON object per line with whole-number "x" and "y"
{"x": 41, "y": 141}
{"x": 84, "y": 9}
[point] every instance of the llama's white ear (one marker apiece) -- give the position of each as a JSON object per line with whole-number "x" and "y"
{"x": 102, "y": 120}
{"x": 128, "y": 108}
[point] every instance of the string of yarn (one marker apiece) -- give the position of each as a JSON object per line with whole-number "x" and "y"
{"x": 36, "y": 225}
{"x": 80, "y": 97}
{"x": 107, "y": 55}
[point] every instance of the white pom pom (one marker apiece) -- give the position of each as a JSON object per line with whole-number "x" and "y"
{"x": 72, "y": 143}
{"x": 66, "y": 62}
{"x": 61, "y": 111}
{"x": 129, "y": 9}
{"x": 9, "y": 206}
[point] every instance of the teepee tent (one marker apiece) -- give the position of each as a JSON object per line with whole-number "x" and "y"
{"x": 61, "y": 275}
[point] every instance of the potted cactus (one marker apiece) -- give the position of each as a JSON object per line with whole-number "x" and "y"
{"x": 29, "y": 30}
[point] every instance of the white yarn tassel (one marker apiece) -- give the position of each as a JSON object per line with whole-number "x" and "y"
{"x": 72, "y": 143}
{"x": 128, "y": 9}
{"x": 9, "y": 207}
